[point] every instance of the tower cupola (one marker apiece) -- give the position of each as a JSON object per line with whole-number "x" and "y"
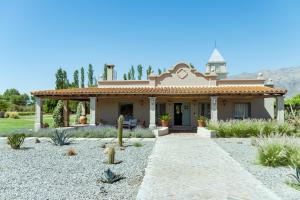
{"x": 216, "y": 65}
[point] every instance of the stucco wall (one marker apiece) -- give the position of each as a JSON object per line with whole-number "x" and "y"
{"x": 108, "y": 109}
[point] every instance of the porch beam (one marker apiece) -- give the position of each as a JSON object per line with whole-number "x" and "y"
{"x": 152, "y": 102}
{"x": 93, "y": 107}
{"x": 280, "y": 109}
{"x": 214, "y": 108}
{"x": 38, "y": 114}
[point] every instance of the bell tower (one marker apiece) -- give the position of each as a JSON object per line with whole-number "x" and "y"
{"x": 216, "y": 65}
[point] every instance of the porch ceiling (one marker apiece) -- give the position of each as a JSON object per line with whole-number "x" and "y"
{"x": 85, "y": 93}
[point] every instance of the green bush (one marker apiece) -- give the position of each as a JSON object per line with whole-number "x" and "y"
{"x": 278, "y": 151}
{"x": 16, "y": 140}
{"x": 13, "y": 115}
{"x": 250, "y": 128}
{"x": 58, "y": 115}
{"x": 26, "y": 113}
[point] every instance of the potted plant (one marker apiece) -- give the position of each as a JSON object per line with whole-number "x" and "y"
{"x": 83, "y": 119}
{"x": 164, "y": 119}
{"x": 201, "y": 121}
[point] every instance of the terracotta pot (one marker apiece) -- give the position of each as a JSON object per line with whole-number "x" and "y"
{"x": 83, "y": 120}
{"x": 201, "y": 123}
{"x": 165, "y": 123}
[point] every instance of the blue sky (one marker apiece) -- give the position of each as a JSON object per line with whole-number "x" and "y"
{"x": 37, "y": 37}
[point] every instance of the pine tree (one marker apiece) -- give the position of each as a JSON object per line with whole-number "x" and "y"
{"x": 140, "y": 72}
{"x": 76, "y": 79}
{"x": 129, "y": 75}
{"x": 159, "y": 71}
{"x": 82, "y": 77}
{"x": 132, "y": 73}
{"x": 192, "y": 66}
{"x": 62, "y": 81}
{"x": 90, "y": 75}
{"x": 149, "y": 71}
{"x": 125, "y": 76}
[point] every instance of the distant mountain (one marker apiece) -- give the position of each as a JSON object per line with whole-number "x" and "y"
{"x": 288, "y": 78}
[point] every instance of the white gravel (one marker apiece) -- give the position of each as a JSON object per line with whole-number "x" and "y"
{"x": 274, "y": 178}
{"x": 43, "y": 171}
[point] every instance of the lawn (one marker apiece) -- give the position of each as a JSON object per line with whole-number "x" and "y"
{"x": 25, "y": 122}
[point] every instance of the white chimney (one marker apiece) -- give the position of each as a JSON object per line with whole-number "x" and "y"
{"x": 110, "y": 72}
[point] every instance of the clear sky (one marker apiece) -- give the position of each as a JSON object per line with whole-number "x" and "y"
{"x": 36, "y": 37}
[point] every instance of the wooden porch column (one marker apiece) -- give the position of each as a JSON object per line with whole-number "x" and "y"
{"x": 280, "y": 109}
{"x": 93, "y": 107}
{"x": 152, "y": 101}
{"x": 214, "y": 108}
{"x": 66, "y": 113}
{"x": 38, "y": 113}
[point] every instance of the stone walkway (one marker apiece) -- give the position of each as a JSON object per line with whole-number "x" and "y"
{"x": 186, "y": 166}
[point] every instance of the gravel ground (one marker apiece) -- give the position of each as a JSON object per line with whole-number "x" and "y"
{"x": 43, "y": 171}
{"x": 274, "y": 178}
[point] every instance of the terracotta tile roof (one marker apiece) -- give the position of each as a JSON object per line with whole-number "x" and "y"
{"x": 188, "y": 90}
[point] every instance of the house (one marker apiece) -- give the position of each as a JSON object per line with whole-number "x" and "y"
{"x": 181, "y": 91}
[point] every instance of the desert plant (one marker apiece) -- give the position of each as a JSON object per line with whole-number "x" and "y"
{"x": 60, "y": 137}
{"x": 277, "y": 150}
{"x": 16, "y": 140}
{"x": 120, "y": 130}
{"x": 165, "y": 117}
{"x": 37, "y": 141}
{"x": 110, "y": 177}
{"x": 58, "y": 118}
{"x": 111, "y": 155}
{"x": 137, "y": 144}
{"x": 14, "y": 115}
{"x": 71, "y": 152}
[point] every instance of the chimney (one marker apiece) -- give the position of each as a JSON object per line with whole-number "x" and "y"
{"x": 110, "y": 72}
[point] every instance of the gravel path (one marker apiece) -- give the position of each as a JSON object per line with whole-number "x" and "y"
{"x": 185, "y": 166}
{"x": 42, "y": 171}
{"x": 242, "y": 151}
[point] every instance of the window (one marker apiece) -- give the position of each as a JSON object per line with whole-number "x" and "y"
{"x": 204, "y": 109}
{"x": 242, "y": 110}
{"x": 126, "y": 109}
{"x": 160, "y": 110}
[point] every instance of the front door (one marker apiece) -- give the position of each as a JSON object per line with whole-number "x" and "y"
{"x": 186, "y": 114}
{"x": 177, "y": 114}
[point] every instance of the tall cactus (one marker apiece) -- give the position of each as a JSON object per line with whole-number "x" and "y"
{"x": 120, "y": 130}
{"x": 111, "y": 155}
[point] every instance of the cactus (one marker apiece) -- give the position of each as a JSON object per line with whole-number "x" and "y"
{"x": 111, "y": 155}
{"x": 120, "y": 130}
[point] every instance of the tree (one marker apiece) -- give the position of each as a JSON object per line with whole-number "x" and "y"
{"x": 129, "y": 75}
{"x": 159, "y": 71}
{"x": 58, "y": 115}
{"x": 192, "y": 66}
{"x": 61, "y": 79}
{"x": 125, "y": 76}
{"x": 3, "y": 105}
{"x": 82, "y": 77}
{"x": 14, "y": 97}
{"x": 140, "y": 72}
{"x": 90, "y": 75}
{"x": 104, "y": 75}
{"x": 132, "y": 72}
{"x": 75, "y": 79}
{"x": 149, "y": 71}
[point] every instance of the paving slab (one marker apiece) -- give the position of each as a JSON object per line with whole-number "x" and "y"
{"x": 185, "y": 166}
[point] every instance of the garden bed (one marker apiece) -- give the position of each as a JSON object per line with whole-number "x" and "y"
{"x": 43, "y": 171}
{"x": 274, "y": 178}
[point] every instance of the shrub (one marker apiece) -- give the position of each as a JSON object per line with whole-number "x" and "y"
{"x": 71, "y": 152}
{"x": 277, "y": 151}
{"x": 250, "y": 128}
{"x": 165, "y": 117}
{"x": 14, "y": 115}
{"x": 58, "y": 118}
{"x": 16, "y": 140}
{"x": 60, "y": 137}
{"x": 137, "y": 144}
{"x": 26, "y": 113}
